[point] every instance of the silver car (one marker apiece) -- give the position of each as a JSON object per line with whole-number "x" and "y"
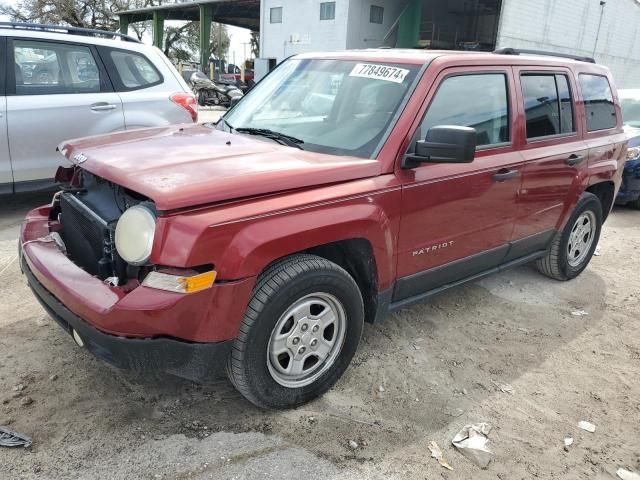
{"x": 64, "y": 83}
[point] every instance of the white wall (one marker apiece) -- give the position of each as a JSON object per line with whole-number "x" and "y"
{"x": 301, "y": 29}
{"x": 570, "y": 26}
{"x": 364, "y": 34}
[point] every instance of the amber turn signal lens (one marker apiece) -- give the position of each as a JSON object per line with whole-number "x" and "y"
{"x": 180, "y": 284}
{"x": 198, "y": 282}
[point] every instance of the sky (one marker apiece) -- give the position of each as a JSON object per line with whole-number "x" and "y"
{"x": 237, "y": 50}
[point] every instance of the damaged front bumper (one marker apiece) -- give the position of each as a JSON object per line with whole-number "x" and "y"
{"x": 143, "y": 330}
{"x": 199, "y": 362}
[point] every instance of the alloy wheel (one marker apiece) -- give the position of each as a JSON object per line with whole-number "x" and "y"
{"x": 306, "y": 340}
{"x": 581, "y": 238}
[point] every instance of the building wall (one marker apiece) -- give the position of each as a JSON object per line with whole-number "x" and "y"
{"x": 364, "y": 34}
{"x": 301, "y": 29}
{"x": 570, "y": 26}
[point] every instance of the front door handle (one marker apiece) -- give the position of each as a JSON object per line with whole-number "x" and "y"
{"x": 574, "y": 160}
{"x": 505, "y": 174}
{"x": 103, "y": 107}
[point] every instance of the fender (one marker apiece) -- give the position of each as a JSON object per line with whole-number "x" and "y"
{"x": 602, "y": 166}
{"x": 242, "y": 247}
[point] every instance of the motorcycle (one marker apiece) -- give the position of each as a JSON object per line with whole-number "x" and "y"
{"x": 210, "y": 93}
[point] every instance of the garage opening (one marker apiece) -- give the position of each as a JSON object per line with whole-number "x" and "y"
{"x": 451, "y": 25}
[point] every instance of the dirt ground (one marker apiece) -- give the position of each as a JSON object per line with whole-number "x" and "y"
{"x": 420, "y": 377}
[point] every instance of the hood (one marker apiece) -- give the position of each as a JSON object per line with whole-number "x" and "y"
{"x": 189, "y": 165}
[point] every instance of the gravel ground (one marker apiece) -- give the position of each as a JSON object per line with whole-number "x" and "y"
{"x": 420, "y": 377}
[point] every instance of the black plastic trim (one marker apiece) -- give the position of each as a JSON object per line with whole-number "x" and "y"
{"x": 418, "y": 298}
{"x": 199, "y": 362}
{"x": 87, "y": 32}
{"x": 545, "y": 53}
{"x": 424, "y": 285}
{"x": 522, "y": 247}
{"x": 450, "y": 273}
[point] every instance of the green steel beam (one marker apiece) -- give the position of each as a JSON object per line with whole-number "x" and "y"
{"x": 409, "y": 26}
{"x": 124, "y": 24}
{"x": 206, "y": 17}
{"x": 158, "y": 29}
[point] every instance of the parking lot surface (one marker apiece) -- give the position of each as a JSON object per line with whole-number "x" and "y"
{"x": 569, "y": 352}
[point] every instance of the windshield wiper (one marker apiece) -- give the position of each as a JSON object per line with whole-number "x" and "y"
{"x": 281, "y": 138}
{"x": 224, "y": 122}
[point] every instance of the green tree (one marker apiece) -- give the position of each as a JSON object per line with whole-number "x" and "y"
{"x": 183, "y": 42}
{"x": 97, "y": 14}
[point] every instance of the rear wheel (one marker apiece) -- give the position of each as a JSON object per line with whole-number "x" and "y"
{"x": 635, "y": 204}
{"x": 572, "y": 249}
{"x": 301, "y": 329}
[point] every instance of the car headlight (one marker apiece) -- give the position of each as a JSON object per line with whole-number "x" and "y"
{"x": 633, "y": 153}
{"x": 135, "y": 231}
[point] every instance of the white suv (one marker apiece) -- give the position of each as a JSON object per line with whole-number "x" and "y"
{"x": 64, "y": 83}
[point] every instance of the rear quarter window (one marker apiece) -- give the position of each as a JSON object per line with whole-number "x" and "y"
{"x": 598, "y": 102}
{"x": 133, "y": 70}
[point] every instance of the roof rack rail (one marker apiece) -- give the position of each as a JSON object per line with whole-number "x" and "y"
{"x": 518, "y": 51}
{"x": 88, "y": 32}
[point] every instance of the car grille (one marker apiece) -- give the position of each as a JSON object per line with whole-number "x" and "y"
{"x": 87, "y": 237}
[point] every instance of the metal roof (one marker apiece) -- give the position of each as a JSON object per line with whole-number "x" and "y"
{"x": 239, "y": 13}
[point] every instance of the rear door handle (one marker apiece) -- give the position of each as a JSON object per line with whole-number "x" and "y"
{"x": 103, "y": 107}
{"x": 574, "y": 160}
{"x": 505, "y": 174}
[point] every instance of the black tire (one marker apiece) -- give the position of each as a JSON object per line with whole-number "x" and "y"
{"x": 634, "y": 204}
{"x": 277, "y": 288}
{"x": 555, "y": 264}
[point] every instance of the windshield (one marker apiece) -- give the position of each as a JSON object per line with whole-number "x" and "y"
{"x": 631, "y": 110}
{"x": 332, "y": 106}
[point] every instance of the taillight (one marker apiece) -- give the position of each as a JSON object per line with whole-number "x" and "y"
{"x": 188, "y": 102}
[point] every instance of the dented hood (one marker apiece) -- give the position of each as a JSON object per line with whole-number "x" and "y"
{"x": 182, "y": 166}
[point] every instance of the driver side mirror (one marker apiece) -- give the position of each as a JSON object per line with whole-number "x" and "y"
{"x": 444, "y": 144}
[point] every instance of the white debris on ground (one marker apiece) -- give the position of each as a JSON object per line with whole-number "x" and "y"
{"x": 625, "y": 474}
{"x": 503, "y": 387}
{"x": 579, "y": 313}
{"x": 436, "y": 452}
{"x": 587, "y": 426}
{"x": 472, "y": 442}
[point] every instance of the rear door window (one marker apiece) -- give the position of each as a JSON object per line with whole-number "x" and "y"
{"x": 548, "y": 105}
{"x": 479, "y": 101}
{"x": 598, "y": 102}
{"x": 43, "y": 68}
{"x": 134, "y": 70}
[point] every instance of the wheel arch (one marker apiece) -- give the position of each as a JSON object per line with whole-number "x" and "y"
{"x": 356, "y": 256}
{"x": 605, "y": 191}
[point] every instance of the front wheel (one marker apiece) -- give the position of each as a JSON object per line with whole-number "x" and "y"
{"x": 572, "y": 249}
{"x": 301, "y": 329}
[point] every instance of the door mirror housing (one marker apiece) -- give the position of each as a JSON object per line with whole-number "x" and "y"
{"x": 444, "y": 144}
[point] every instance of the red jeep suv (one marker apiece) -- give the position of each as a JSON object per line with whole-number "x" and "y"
{"x": 343, "y": 187}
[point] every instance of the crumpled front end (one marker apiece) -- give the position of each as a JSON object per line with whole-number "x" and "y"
{"x": 68, "y": 257}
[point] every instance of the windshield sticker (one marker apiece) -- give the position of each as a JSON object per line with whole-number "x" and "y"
{"x": 379, "y": 72}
